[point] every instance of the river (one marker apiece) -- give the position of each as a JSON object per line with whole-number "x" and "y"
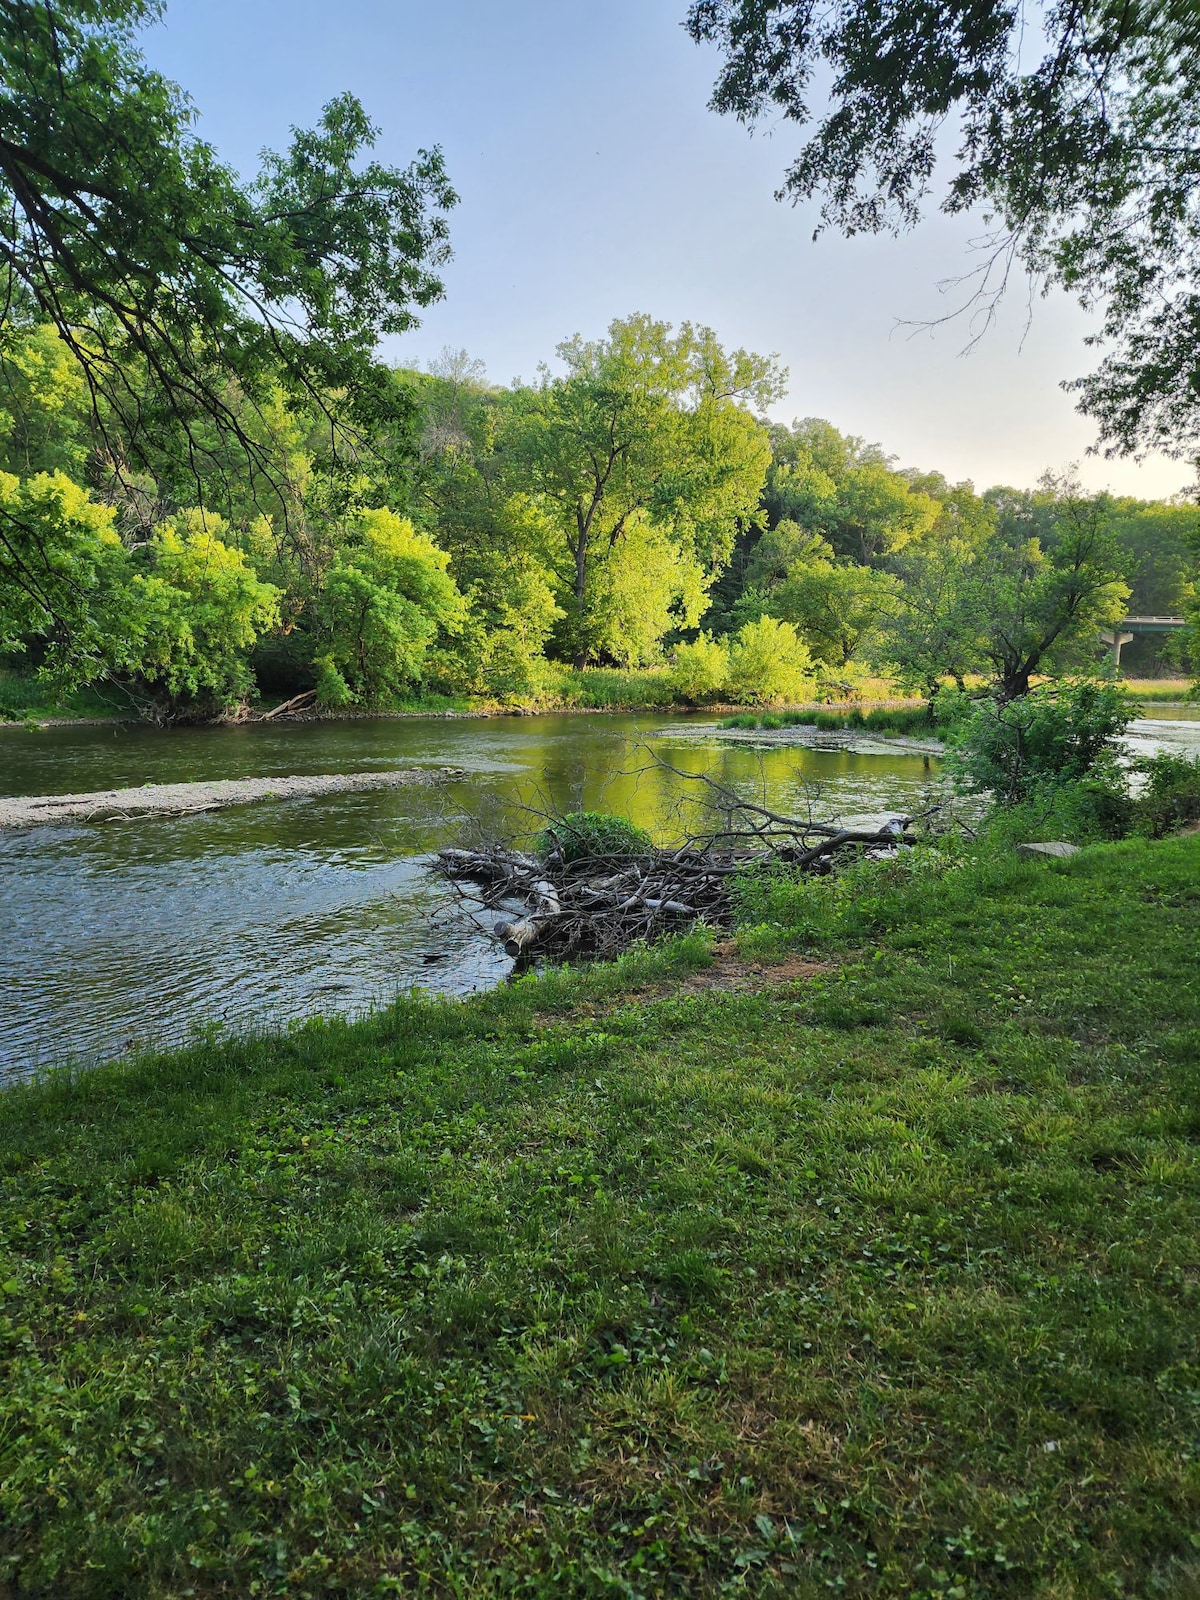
{"x": 130, "y": 934}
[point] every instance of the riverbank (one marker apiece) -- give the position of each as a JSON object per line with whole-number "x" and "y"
{"x": 875, "y": 1280}
{"x": 877, "y": 694}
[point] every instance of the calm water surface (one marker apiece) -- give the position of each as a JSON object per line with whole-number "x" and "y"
{"x": 132, "y": 933}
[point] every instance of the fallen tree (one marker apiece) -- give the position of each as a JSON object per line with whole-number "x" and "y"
{"x": 580, "y": 892}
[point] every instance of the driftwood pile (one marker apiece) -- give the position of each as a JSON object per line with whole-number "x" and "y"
{"x": 560, "y": 907}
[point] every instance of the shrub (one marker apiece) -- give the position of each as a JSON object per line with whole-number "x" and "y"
{"x": 1170, "y": 794}
{"x": 613, "y": 688}
{"x": 593, "y": 835}
{"x": 700, "y": 669}
{"x": 768, "y": 662}
{"x": 1091, "y": 811}
{"x": 1051, "y": 736}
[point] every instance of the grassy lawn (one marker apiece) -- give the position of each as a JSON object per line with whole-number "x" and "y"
{"x": 882, "y": 1282}
{"x": 1170, "y": 690}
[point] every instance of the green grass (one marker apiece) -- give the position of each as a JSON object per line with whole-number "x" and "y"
{"x": 882, "y": 1283}
{"x": 613, "y": 689}
{"x": 1169, "y": 690}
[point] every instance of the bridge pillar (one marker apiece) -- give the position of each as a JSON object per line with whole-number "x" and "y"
{"x": 1114, "y": 639}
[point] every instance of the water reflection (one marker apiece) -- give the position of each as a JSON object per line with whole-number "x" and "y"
{"x": 138, "y": 931}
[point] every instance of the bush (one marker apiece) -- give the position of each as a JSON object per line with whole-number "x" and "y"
{"x": 613, "y": 688}
{"x": 1170, "y": 794}
{"x": 1015, "y": 749}
{"x": 700, "y": 670}
{"x": 768, "y": 662}
{"x": 1092, "y": 811}
{"x": 593, "y": 835}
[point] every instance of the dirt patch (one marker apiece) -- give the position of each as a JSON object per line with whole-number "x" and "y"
{"x": 733, "y": 972}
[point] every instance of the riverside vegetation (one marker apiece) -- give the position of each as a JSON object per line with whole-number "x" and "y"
{"x": 856, "y": 1256}
{"x": 872, "y": 1272}
{"x": 611, "y": 1284}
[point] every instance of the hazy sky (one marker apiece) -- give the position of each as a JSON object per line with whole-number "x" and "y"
{"x": 594, "y": 182}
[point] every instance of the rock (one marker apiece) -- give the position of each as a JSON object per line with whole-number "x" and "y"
{"x": 1058, "y": 850}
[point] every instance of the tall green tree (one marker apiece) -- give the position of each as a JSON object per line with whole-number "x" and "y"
{"x": 845, "y": 489}
{"x": 644, "y": 444}
{"x": 189, "y": 298}
{"x": 1044, "y": 585}
{"x": 837, "y": 607}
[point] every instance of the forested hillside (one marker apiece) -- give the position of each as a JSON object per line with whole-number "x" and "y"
{"x": 631, "y": 508}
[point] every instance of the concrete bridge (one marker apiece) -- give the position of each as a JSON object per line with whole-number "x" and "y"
{"x": 1128, "y": 629}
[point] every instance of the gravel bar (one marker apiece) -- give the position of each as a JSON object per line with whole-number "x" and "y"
{"x": 180, "y": 799}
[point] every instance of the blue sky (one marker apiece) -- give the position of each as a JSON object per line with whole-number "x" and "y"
{"x": 594, "y": 182}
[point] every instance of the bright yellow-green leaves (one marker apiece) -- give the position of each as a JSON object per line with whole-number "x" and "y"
{"x": 63, "y": 576}
{"x": 199, "y": 613}
{"x": 769, "y": 663}
{"x": 383, "y": 602}
{"x": 646, "y": 460}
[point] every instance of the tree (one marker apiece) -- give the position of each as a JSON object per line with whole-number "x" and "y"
{"x": 646, "y": 430}
{"x": 383, "y": 603}
{"x": 64, "y": 579}
{"x": 196, "y": 616}
{"x": 1158, "y": 542}
{"x": 1046, "y": 583}
{"x": 939, "y": 626}
{"x": 837, "y": 606}
{"x": 187, "y": 297}
{"x": 1087, "y": 161}
{"x": 43, "y": 404}
{"x": 845, "y": 489}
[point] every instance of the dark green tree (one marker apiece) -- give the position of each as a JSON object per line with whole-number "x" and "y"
{"x": 1086, "y": 161}
{"x": 184, "y": 293}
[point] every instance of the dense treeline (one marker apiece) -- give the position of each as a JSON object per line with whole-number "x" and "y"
{"x": 630, "y": 508}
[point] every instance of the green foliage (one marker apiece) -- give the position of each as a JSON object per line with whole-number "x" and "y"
{"x": 1012, "y": 749}
{"x": 609, "y": 689}
{"x": 197, "y": 616}
{"x": 768, "y": 662}
{"x": 593, "y": 836}
{"x": 844, "y": 491}
{"x": 1085, "y": 811}
{"x": 700, "y": 669}
{"x": 1168, "y": 797}
{"x": 43, "y": 403}
{"x": 127, "y": 233}
{"x": 645, "y": 458}
{"x": 383, "y": 602}
{"x": 836, "y": 606}
{"x": 64, "y": 579}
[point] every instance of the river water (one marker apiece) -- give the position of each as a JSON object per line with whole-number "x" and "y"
{"x": 127, "y": 934}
